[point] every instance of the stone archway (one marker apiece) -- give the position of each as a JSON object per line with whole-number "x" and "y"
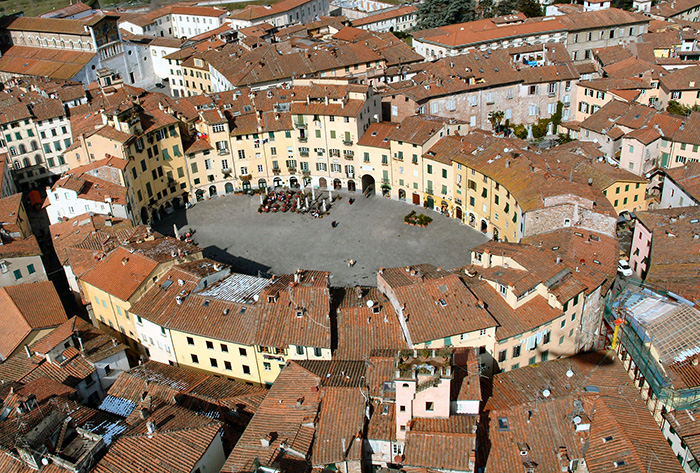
{"x": 262, "y": 183}
{"x": 293, "y": 182}
{"x": 484, "y": 226}
{"x": 277, "y": 182}
{"x": 322, "y": 183}
{"x": 367, "y": 183}
{"x": 212, "y": 191}
{"x": 228, "y": 188}
{"x": 472, "y": 220}
{"x": 351, "y": 186}
{"x": 337, "y": 184}
{"x": 402, "y": 194}
{"x": 458, "y": 213}
{"x": 416, "y": 199}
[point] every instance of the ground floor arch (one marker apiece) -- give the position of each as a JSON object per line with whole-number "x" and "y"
{"x": 416, "y": 198}
{"x": 293, "y": 182}
{"x": 262, "y": 183}
{"x": 351, "y": 186}
{"x": 228, "y": 188}
{"x": 367, "y": 183}
{"x": 484, "y": 226}
{"x": 458, "y": 212}
{"x": 337, "y": 184}
{"x": 277, "y": 182}
{"x": 402, "y": 194}
{"x": 144, "y": 215}
{"x": 212, "y": 191}
{"x": 322, "y": 183}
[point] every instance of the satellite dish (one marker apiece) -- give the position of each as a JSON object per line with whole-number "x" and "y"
{"x": 569, "y": 373}
{"x": 370, "y": 303}
{"x": 44, "y": 461}
{"x": 546, "y": 392}
{"x": 577, "y": 420}
{"x": 256, "y": 297}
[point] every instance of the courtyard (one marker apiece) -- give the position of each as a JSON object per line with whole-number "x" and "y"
{"x": 371, "y": 231}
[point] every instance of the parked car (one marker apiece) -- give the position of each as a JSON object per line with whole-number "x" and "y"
{"x": 623, "y": 267}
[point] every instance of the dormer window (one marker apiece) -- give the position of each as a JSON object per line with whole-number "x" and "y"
{"x": 503, "y": 289}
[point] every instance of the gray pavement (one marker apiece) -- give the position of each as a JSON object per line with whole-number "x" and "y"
{"x": 370, "y": 231}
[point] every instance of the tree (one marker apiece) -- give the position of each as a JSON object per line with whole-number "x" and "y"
{"x": 486, "y": 9}
{"x": 436, "y": 13}
{"x": 678, "y": 108}
{"x": 531, "y": 8}
{"x": 495, "y": 118}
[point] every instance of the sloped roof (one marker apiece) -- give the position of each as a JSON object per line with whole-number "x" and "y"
{"x": 27, "y": 307}
{"x": 121, "y": 273}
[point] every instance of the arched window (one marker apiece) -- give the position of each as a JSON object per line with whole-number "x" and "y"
{"x": 22, "y": 149}
{"x": 37, "y": 159}
{"x": 26, "y": 162}
{"x": 35, "y": 145}
{"x": 13, "y": 151}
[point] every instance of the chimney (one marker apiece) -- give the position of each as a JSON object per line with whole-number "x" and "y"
{"x": 151, "y": 427}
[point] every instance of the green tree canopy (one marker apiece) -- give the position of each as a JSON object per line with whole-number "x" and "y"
{"x": 436, "y": 13}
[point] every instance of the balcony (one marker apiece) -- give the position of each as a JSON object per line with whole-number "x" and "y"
{"x": 429, "y": 191}
{"x": 276, "y": 171}
{"x": 292, "y": 170}
{"x": 222, "y": 152}
{"x": 350, "y": 175}
{"x": 300, "y": 125}
{"x": 347, "y": 142}
{"x": 226, "y": 171}
{"x": 303, "y": 139}
{"x": 305, "y": 154}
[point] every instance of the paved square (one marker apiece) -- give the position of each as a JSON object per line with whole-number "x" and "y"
{"x": 370, "y": 231}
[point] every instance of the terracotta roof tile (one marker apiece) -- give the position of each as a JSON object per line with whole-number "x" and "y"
{"x": 28, "y": 307}
{"x": 362, "y": 329}
{"x": 437, "y": 304}
{"x": 121, "y": 273}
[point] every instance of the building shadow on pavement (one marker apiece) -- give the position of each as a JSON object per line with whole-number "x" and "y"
{"x": 238, "y": 263}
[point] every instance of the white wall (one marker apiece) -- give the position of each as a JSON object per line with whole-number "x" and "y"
{"x": 673, "y": 196}
{"x": 161, "y": 68}
{"x": 118, "y": 363}
{"x": 160, "y": 346}
{"x": 65, "y": 203}
{"x": 213, "y": 459}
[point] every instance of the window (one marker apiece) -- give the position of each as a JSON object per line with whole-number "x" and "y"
{"x": 224, "y": 348}
{"x": 300, "y": 350}
{"x": 30, "y": 269}
{"x": 246, "y": 369}
{"x": 210, "y": 345}
{"x": 516, "y": 351}
{"x": 195, "y": 358}
{"x": 317, "y": 351}
{"x": 267, "y": 366}
{"x": 213, "y": 363}
{"x": 18, "y": 274}
{"x": 190, "y": 341}
{"x": 227, "y": 365}
{"x": 242, "y": 352}
{"x": 429, "y": 406}
{"x": 502, "y": 356}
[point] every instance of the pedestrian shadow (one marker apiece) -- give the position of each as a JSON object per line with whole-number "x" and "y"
{"x": 238, "y": 264}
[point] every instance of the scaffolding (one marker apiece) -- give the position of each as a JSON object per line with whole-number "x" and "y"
{"x": 657, "y": 331}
